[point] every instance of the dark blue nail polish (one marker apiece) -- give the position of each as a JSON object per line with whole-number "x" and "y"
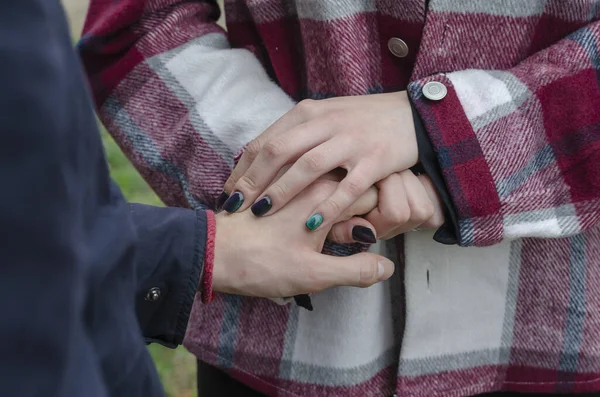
{"x": 363, "y": 235}
{"x": 221, "y": 200}
{"x": 314, "y": 222}
{"x": 262, "y": 206}
{"x": 234, "y": 202}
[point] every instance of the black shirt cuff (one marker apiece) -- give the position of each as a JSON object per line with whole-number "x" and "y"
{"x": 448, "y": 233}
{"x": 170, "y": 256}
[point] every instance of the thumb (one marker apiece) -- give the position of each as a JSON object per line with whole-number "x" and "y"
{"x": 360, "y": 270}
{"x": 354, "y": 230}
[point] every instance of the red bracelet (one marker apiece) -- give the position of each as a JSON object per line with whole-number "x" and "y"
{"x": 207, "y": 295}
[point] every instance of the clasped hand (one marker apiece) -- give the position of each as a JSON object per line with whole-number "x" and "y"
{"x": 371, "y": 137}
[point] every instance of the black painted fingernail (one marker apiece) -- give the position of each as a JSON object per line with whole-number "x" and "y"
{"x": 262, "y": 206}
{"x": 363, "y": 235}
{"x": 234, "y": 202}
{"x": 304, "y": 301}
{"x": 221, "y": 200}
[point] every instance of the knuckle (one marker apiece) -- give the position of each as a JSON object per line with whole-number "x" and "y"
{"x": 278, "y": 191}
{"x": 381, "y": 151}
{"x": 399, "y": 216}
{"x": 422, "y": 212}
{"x": 253, "y": 148}
{"x": 274, "y": 148}
{"x": 306, "y": 107}
{"x": 246, "y": 184}
{"x": 332, "y": 206}
{"x": 321, "y": 189}
{"x": 435, "y": 222}
{"x": 313, "y": 162}
{"x": 356, "y": 187}
{"x": 368, "y": 274}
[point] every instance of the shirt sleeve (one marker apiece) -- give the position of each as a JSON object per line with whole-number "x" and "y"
{"x": 448, "y": 233}
{"x": 171, "y": 245}
{"x": 518, "y": 146}
{"x": 159, "y": 72}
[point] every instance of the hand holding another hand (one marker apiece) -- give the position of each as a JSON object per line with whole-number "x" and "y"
{"x": 276, "y": 256}
{"x": 371, "y": 137}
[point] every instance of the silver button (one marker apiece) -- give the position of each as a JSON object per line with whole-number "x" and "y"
{"x": 153, "y": 294}
{"x": 435, "y": 91}
{"x": 398, "y": 47}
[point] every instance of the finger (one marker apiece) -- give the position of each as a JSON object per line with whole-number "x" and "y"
{"x": 392, "y": 209}
{"x": 365, "y": 204}
{"x": 251, "y": 151}
{"x": 437, "y": 220}
{"x": 354, "y": 230}
{"x": 359, "y": 270}
{"x": 303, "y": 172}
{"x": 348, "y": 191}
{"x": 421, "y": 207}
{"x": 350, "y": 228}
{"x": 276, "y": 152}
{"x": 299, "y": 114}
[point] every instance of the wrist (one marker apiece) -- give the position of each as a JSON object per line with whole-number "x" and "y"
{"x": 410, "y": 128}
{"x": 223, "y": 238}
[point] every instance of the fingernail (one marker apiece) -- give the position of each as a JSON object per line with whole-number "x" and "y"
{"x": 314, "y": 222}
{"x": 363, "y": 234}
{"x": 262, "y": 206}
{"x": 386, "y": 269}
{"x": 304, "y": 301}
{"x": 221, "y": 200}
{"x": 234, "y": 202}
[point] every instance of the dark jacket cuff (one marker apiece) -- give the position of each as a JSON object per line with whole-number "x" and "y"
{"x": 172, "y": 243}
{"x": 448, "y": 233}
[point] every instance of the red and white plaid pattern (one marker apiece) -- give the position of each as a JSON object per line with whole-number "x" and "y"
{"x": 517, "y": 137}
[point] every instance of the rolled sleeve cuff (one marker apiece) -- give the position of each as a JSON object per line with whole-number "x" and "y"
{"x": 463, "y": 167}
{"x": 448, "y": 233}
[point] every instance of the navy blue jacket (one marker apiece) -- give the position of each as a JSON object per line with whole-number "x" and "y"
{"x": 78, "y": 264}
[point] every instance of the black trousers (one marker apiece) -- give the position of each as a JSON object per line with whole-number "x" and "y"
{"x": 213, "y": 382}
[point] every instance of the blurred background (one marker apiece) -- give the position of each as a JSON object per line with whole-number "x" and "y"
{"x": 177, "y": 368}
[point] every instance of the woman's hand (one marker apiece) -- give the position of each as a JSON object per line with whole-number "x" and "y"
{"x": 276, "y": 256}
{"x": 370, "y": 136}
{"x": 405, "y": 202}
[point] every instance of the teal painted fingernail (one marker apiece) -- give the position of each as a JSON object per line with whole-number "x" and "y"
{"x": 314, "y": 222}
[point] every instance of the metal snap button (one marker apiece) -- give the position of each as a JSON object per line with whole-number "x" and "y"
{"x": 435, "y": 91}
{"x": 398, "y": 47}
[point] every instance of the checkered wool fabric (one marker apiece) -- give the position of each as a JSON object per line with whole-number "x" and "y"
{"x": 515, "y": 307}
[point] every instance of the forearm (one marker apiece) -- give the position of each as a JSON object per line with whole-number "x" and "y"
{"x": 179, "y": 106}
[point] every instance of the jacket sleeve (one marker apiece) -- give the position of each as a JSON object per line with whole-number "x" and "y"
{"x": 170, "y": 256}
{"x": 519, "y": 148}
{"x": 160, "y": 72}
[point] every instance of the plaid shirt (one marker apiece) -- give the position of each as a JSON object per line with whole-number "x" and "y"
{"x": 517, "y": 137}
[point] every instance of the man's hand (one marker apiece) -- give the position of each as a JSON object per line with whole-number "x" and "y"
{"x": 276, "y": 256}
{"x": 371, "y": 137}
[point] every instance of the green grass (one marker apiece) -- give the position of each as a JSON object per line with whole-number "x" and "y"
{"x": 176, "y": 368}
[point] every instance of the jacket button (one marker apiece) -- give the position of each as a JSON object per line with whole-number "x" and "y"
{"x": 398, "y": 47}
{"x": 435, "y": 91}
{"x": 153, "y": 294}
